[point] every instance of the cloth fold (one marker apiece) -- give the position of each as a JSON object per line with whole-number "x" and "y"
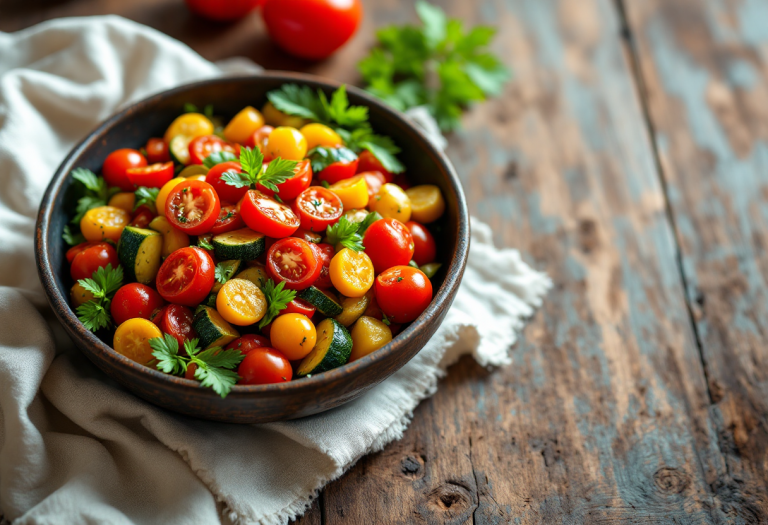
{"x": 76, "y": 447}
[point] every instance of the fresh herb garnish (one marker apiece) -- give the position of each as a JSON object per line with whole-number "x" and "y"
{"x": 96, "y": 192}
{"x": 325, "y": 183}
{"x": 214, "y": 365}
{"x": 217, "y": 157}
{"x": 204, "y": 243}
{"x": 322, "y": 156}
{"x": 70, "y": 238}
{"x": 102, "y": 284}
{"x": 224, "y": 271}
{"x": 385, "y": 319}
{"x": 191, "y": 108}
{"x": 277, "y": 299}
{"x": 348, "y": 233}
{"x": 146, "y": 196}
{"x": 367, "y": 221}
{"x": 252, "y": 164}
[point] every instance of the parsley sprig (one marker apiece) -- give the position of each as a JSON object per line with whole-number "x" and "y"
{"x": 252, "y": 164}
{"x": 217, "y": 157}
{"x": 146, "y": 196}
{"x": 103, "y": 284}
{"x": 224, "y": 270}
{"x": 191, "y": 108}
{"x": 321, "y": 157}
{"x": 96, "y": 193}
{"x": 277, "y": 299}
{"x": 204, "y": 242}
{"x": 70, "y": 238}
{"x": 438, "y": 65}
{"x": 348, "y": 233}
{"x": 214, "y": 365}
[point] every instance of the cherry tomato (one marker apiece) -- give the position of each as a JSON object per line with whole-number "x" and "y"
{"x": 325, "y": 253}
{"x": 299, "y": 306}
{"x": 312, "y": 29}
{"x": 157, "y": 151}
{"x": 375, "y": 180}
{"x": 402, "y": 293}
{"x": 186, "y": 276}
{"x": 91, "y": 258}
{"x": 317, "y": 208}
{"x": 225, "y": 191}
{"x": 338, "y": 171}
{"x": 291, "y": 188}
{"x": 259, "y": 138}
{"x": 294, "y": 261}
{"x": 424, "y": 246}
{"x": 229, "y": 220}
{"x": 193, "y": 207}
{"x": 117, "y": 163}
{"x": 266, "y": 215}
{"x": 262, "y": 366}
{"x": 141, "y": 217}
{"x": 308, "y": 236}
{"x": 248, "y": 342}
{"x": 152, "y": 176}
{"x": 222, "y": 11}
{"x": 72, "y": 252}
{"x": 368, "y": 162}
{"x": 134, "y": 300}
{"x": 201, "y": 147}
{"x": 388, "y": 243}
{"x": 175, "y": 320}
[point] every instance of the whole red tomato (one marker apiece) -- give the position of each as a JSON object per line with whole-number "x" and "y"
{"x": 134, "y": 300}
{"x": 402, "y": 293}
{"x": 367, "y": 161}
{"x": 388, "y": 243}
{"x": 424, "y": 246}
{"x": 226, "y": 192}
{"x": 176, "y": 321}
{"x": 157, "y": 151}
{"x": 312, "y": 29}
{"x": 325, "y": 253}
{"x": 248, "y": 342}
{"x": 116, "y": 164}
{"x": 186, "y": 276}
{"x": 264, "y": 365}
{"x": 91, "y": 259}
{"x": 222, "y": 10}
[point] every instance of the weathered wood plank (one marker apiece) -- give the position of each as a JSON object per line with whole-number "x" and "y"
{"x": 705, "y": 68}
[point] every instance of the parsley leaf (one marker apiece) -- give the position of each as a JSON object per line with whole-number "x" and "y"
{"x": 95, "y": 192}
{"x": 70, "y": 238}
{"x": 367, "y": 221}
{"x": 191, "y": 108}
{"x": 103, "y": 284}
{"x": 94, "y": 315}
{"x": 253, "y": 172}
{"x": 166, "y": 351}
{"x": 146, "y": 196}
{"x": 205, "y": 243}
{"x": 298, "y": 100}
{"x": 339, "y": 110}
{"x": 345, "y": 232}
{"x": 224, "y": 270}
{"x": 277, "y": 298}
{"x": 322, "y": 156}
{"x": 217, "y": 157}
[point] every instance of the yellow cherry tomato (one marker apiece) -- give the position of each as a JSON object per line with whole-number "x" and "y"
{"x": 162, "y": 195}
{"x": 355, "y": 215}
{"x": 241, "y": 302}
{"x": 104, "y": 223}
{"x": 427, "y": 203}
{"x": 368, "y": 335}
{"x": 353, "y": 192}
{"x": 173, "y": 238}
{"x": 189, "y": 124}
{"x": 275, "y": 117}
{"x": 320, "y": 135}
{"x": 197, "y": 177}
{"x": 132, "y": 339}
{"x": 392, "y": 203}
{"x": 294, "y": 335}
{"x": 80, "y": 295}
{"x": 123, "y": 200}
{"x": 351, "y": 272}
{"x": 242, "y": 125}
{"x": 286, "y": 143}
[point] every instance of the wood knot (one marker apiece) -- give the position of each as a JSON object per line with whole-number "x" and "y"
{"x": 670, "y": 480}
{"x": 587, "y": 235}
{"x": 510, "y": 172}
{"x": 451, "y": 497}
{"x": 412, "y": 467}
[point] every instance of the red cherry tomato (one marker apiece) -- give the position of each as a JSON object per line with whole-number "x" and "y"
{"x": 176, "y": 321}
{"x": 157, "y": 151}
{"x": 402, "y": 293}
{"x": 226, "y": 192}
{"x": 266, "y": 215}
{"x": 299, "y": 306}
{"x": 325, "y": 253}
{"x": 248, "y": 342}
{"x": 291, "y": 188}
{"x": 186, "y": 276}
{"x": 375, "y": 180}
{"x": 72, "y": 252}
{"x": 317, "y": 208}
{"x": 222, "y": 10}
{"x": 229, "y": 220}
{"x": 141, "y": 217}
{"x": 368, "y": 162}
{"x": 152, "y": 176}
{"x": 91, "y": 258}
{"x": 193, "y": 207}
{"x": 294, "y": 261}
{"x": 424, "y": 246}
{"x": 338, "y": 171}
{"x": 201, "y": 147}
{"x": 117, "y": 163}
{"x": 262, "y": 366}
{"x": 259, "y": 138}
{"x": 134, "y": 300}
{"x": 388, "y": 243}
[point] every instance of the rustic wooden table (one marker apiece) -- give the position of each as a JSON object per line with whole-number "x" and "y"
{"x": 629, "y": 159}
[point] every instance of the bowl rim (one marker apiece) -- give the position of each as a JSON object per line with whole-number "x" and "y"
{"x": 67, "y": 316}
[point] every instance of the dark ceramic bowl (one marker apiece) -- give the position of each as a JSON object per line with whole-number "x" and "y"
{"x": 250, "y": 404}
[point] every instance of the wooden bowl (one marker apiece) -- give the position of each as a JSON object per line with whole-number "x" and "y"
{"x": 250, "y": 404}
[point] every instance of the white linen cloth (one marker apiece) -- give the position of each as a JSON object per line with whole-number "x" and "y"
{"x": 77, "y": 448}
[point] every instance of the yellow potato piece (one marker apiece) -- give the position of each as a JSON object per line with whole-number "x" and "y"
{"x": 368, "y": 335}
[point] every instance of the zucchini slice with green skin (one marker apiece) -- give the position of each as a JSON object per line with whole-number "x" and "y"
{"x": 179, "y": 149}
{"x": 244, "y": 244}
{"x": 211, "y": 300}
{"x": 212, "y": 329}
{"x": 325, "y": 304}
{"x": 332, "y": 349}
{"x": 230, "y": 269}
{"x": 192, "y": 170}
{"x": 353, "y": 308}
{"x": 140, "y": 253}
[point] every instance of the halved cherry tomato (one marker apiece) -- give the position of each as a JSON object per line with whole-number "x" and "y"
{"x": 91, "y": 258}
{"x": 317, "y": 208}
{"x": 258, "y": 138}
{"x": 268, "y": 216}
{"x": 352, "y": 273}
{"x": 243, "y": 125}
{"x": 104, "y": 223}
{"x": 193, "y": 207}
{"x": 201, "y": 147}
{"x": 368, "y": 162}
{"x": 186, "y": 276}
{"x": 72, "y": 252}
{"x": 375, "y": 180}
{"x": 294, "y": 261}
{"x": 325, "y": 253}
{"x": 175, "y": 320}
{"x": 157, "y": 151}
{"x": 291, "y": 188}
{"x": 262, "y": 366}
{"x": 134, "y": 300}
{"x": 403, "y": 292}
{"x": 424, "y": 246}
{"x": 299, "y": 306}
{"x": 388, "y": 243}
{"x": 226, "y": 192}
{"x": 152, "y": 176}
{"x": 248, "y": 342}
{"x": 229, "y": 220}
{"x": 141, "y": 217}
{"x": 117, "y": 163}
{"x": 338, "y": 171}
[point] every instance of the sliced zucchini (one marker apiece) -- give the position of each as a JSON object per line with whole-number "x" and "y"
{"x": 140, "y": 253}
{"x": 353, "y": 308}
{"x": 256, "y": 274}
{"x": 332, "y": 349}
{"x": 244, "y": 244}
{"x": 212, "y": 329}
{"x": 229, "y": 269}
{"x": 192, "y": 170}
{"x": 173, "y": 238}
{"x": 179, "y": 148}
{"x": 323, "y": 301}
{"x": 211, "y": 300}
